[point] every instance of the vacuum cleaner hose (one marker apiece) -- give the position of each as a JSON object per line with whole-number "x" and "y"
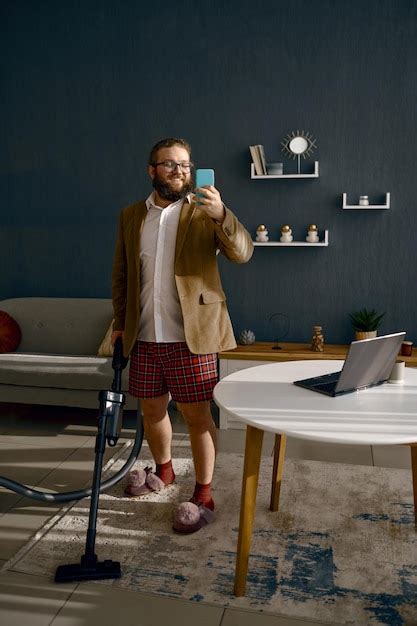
{"x": 67, "y": 496}
{"x": 119, "y": 363}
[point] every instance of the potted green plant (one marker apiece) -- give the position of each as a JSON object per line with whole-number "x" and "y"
{"x": 366, "y": 322}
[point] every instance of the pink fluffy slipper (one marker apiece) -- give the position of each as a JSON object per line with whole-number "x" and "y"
{"x": 190, "y": 517}
{"x": 143, "y": 482}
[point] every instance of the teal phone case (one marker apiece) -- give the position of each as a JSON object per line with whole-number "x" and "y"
{"x": 203, "y": 178}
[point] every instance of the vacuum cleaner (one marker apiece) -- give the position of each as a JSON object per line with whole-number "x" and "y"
{"x": 109, "y": 427}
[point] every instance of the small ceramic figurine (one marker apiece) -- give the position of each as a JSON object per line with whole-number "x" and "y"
{"x": 286, "y": 234}
{"x": 312, "y": 235}
{"x": 317, "y": 341}
{"x": 262, "y": 233}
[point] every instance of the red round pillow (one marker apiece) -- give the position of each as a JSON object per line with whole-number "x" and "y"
{"x": 10, "y": 333}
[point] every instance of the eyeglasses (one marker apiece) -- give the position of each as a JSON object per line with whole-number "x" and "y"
{"x": 171, "y": 166}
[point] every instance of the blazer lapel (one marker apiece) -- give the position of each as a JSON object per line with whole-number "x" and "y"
{"x": 138, "y": 223}
{"x": 186, "y": 215}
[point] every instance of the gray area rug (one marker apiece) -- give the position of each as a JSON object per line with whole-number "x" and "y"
{"x": 342, "y": 549}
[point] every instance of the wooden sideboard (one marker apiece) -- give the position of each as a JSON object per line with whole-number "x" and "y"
{"x": 260, "y": 353}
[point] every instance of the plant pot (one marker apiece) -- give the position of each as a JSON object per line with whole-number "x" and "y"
{"x": 365, "y": 334}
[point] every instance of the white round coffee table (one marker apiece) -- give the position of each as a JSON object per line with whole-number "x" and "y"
{"x": 266, "y": 399}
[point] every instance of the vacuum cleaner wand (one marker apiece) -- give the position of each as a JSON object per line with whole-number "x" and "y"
{"x": 111, "y": 402}
{"x": 109, "y": 426}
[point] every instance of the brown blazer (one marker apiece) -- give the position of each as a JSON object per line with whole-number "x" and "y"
{"x": 207, "y": 324}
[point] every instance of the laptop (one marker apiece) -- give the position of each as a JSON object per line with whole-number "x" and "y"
{"x": 368, "y": 363}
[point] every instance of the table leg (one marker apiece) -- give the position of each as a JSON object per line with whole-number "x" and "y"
{"x": 413, "y": 449}
{"x": 278, "y": 469}
{"x": 253, "y": 449}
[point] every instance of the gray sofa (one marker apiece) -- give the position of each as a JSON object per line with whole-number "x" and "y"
{"x": 56, "y": 362}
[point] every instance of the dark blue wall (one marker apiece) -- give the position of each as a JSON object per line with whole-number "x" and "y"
{"x": 88, "y": 87}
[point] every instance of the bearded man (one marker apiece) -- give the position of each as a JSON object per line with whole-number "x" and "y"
{"x": 170, "y": 310}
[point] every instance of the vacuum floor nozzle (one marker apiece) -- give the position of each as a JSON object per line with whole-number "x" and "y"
{"x": 88, "y": 569}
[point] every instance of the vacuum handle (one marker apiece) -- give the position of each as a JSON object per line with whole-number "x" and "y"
{"x": 118, "y": 364}
{"x": 119, "y": 360}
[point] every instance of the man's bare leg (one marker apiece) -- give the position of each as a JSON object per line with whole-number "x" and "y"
{"x": 202, "y": 431}
{"x": 157, "y": 427}
{"x": 158, "y": 432}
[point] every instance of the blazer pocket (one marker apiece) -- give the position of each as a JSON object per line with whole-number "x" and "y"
{"x": 210, "y": 297}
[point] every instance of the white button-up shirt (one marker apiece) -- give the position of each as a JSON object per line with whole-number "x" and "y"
{"x": 160, "y": 316}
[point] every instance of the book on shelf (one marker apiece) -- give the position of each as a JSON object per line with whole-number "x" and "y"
{"x": 263, "y": 160}
{"x": 258, "y": 158}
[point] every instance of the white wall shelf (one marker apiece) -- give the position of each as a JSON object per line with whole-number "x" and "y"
{"x": 268, "y": 176}
{"x": 387, "y": 204}
{"x": 294, "y": 244}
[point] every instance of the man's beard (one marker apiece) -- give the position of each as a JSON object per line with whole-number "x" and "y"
{"x": 167, "y": 193}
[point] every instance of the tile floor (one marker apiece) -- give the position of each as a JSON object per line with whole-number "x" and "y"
{"x": 53, "y": 448}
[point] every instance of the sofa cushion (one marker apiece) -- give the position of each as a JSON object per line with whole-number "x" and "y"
{"x": 106, "y": 348}
{"x": 10, "y": 333}
{"x": 73, "y": 326}
{"x": 63, "y": 372}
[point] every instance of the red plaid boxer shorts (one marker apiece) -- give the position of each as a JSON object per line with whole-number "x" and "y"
{"x": 159, "y": 368}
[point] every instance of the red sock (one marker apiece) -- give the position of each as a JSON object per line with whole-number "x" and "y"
{"x": 202, "y": 493}
{"x": 165, "y": 472}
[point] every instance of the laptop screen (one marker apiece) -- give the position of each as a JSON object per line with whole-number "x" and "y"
{"x": 369, "y": 361}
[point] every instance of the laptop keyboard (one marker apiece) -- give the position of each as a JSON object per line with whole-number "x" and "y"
{"x": 326, "y": 382}
{"x": 326, "y": 386}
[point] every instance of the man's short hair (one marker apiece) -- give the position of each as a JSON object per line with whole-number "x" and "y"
{"x": 168, "y": 143}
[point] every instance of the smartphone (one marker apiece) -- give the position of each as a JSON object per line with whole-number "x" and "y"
{"x": 203, "y": 178}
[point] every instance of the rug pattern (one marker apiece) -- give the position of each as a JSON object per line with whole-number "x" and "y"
{"x": 341, "y": 550}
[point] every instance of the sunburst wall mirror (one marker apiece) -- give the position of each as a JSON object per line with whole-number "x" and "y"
{"x": 298, "y": 144}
